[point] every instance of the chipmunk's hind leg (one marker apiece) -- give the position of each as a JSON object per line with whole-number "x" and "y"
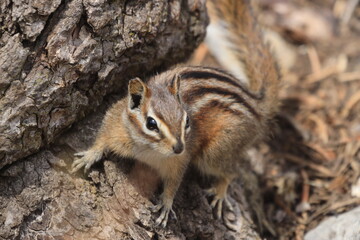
{"x": 220, "y": 201}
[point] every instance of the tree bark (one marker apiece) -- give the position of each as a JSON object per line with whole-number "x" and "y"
{"x": 59, "y": 58}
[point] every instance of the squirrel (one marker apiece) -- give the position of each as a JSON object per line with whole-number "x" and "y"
{"x": 199, "y": 115}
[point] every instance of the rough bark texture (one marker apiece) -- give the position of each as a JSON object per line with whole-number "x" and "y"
{"x": 59, "y": 58}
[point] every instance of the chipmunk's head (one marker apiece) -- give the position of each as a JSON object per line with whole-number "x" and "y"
{"x": 158, "y": 118}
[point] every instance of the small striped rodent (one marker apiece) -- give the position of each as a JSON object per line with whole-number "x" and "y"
{"x": 200, "y": 115}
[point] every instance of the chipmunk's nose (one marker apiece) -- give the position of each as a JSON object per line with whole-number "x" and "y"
{"x": 178, "y": 147}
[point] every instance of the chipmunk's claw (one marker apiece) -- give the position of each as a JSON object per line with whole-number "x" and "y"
{"x": 164, "y": 214}
{"x": 230, "y": 225}
{"x": 219, "y": 205}
{"x": 85, "y": 159}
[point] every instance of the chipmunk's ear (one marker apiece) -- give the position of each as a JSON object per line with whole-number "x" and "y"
{"x": 174, "y": 87}
{"x": 137, "y": 91}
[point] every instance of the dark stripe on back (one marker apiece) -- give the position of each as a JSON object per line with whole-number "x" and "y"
{"x": 198, "y": 92}
{"x": 224, "y": 106}
{"x": 221, "y": 76}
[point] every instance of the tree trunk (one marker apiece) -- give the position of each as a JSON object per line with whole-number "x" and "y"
{"x": 59, "y": 58}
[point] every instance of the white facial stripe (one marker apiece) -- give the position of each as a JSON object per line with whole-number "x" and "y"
{"x": 183, "y": 127}
{"x": 166, "y": 131}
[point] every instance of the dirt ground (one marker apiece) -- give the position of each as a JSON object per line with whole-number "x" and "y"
{"x": 310, "y": 167}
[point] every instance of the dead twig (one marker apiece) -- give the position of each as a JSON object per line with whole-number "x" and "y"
{"x": 349, "y": 10}
{"x": 354, "y": 99}
{"x": 330, "y": 206}
{"x": 314, "y": 59}
{"x": 349, "y": 76}
{"x": 304, "y": 204}
{"x": 336, "y": 68}
{"x": 298, "y": 160}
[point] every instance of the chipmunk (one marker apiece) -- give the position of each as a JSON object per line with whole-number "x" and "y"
{"x": 201, "y": 115}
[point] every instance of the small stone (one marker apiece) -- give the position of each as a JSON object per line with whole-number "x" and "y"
{"x": 340, "y": 227}
{"x": 355, "y": 189}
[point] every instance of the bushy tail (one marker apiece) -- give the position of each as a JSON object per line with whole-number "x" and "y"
{"x": 235, "y": 39}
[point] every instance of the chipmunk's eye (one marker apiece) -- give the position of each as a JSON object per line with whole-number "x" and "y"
{"x": 151, "y": 124}
{"x": 187, "y": 124}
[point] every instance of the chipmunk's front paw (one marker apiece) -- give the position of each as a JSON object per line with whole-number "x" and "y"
{"x": 85, "y": 159}
{"x": 164, "y": 214}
